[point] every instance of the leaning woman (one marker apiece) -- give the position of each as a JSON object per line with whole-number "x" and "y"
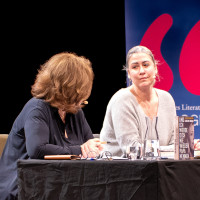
{"x": 52, "y": 122}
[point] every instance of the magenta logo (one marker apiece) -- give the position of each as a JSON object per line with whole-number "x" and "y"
{"x": 189, "y": 64}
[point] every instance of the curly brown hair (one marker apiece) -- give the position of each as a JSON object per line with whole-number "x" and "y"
{"x": 64, "y": 81}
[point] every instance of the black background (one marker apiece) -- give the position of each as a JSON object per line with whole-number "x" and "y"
{"x": 31, "y": 33}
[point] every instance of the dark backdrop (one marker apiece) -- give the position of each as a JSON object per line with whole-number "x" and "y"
{"x": 32, "y": 33}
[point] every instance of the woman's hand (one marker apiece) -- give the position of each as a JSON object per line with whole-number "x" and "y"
{"x": 92, "y": 147}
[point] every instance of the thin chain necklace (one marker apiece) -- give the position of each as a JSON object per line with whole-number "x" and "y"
{"x": 62, "y": 116}
{"x": 146, "y": 106}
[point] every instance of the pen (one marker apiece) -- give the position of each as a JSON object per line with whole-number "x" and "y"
{"x": 164, "y": 158}
{"x": 105, "y": 142}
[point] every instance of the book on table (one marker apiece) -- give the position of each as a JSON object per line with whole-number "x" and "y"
{"x": 184, "y": 138}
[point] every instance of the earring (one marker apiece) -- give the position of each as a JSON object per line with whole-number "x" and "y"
{"x": 130, "y": 82}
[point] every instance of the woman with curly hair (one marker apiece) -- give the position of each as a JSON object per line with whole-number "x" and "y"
{"x": 52, "y": 122}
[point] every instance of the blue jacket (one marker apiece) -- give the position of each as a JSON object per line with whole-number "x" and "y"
{"x": 38, "y": 131}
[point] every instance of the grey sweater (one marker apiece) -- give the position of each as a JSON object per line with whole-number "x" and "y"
{"x": 125, "y": 121}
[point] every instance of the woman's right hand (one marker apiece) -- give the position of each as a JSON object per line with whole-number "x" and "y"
{"x": 197, "y": 145}
{"x": 91, "y": 148}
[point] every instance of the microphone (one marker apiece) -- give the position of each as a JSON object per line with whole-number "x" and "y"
{"x": 84, "y": 103}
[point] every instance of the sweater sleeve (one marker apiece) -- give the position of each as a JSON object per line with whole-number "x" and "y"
{"x": 125, "y": 123}
{"x": 168, "y": 110}
{"x": 86, "y": 130}
{"x": 121, "y": 124}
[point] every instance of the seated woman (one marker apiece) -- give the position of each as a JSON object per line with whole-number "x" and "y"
{"x": 130, "y": 109}
{"x": 52, "y": 122}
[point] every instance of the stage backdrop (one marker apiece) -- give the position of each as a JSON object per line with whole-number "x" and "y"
{"x": 171, "y": 29}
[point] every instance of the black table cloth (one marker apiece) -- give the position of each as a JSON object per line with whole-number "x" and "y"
{"x": 113, "y": 180}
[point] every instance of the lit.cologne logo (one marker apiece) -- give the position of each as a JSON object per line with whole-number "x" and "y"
{"x": 189, "y": 55}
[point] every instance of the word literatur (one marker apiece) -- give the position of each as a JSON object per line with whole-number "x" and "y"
{"x": 187, "y": 107}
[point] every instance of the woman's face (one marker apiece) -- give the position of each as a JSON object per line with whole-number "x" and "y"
{"x": 141, "y": 70}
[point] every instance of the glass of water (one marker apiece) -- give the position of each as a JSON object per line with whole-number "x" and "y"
{"x": 151, "y": 146}
{"x": 151, "y": 150}
{"x": 133, "y": 152}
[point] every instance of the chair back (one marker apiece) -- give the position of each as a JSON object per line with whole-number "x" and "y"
{"x": 96, "y": 135}
{"x": 3, "y": 139}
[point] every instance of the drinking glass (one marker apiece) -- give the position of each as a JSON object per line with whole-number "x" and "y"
{"x": 151, "y": 146}
{"x": 151, "y": 150}
{"x": 133, "y": 152}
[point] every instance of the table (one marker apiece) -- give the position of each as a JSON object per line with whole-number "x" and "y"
{"x": 113, "y": 180}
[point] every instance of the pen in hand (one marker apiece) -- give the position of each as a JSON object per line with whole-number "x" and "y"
{"x": 105, "y": 142}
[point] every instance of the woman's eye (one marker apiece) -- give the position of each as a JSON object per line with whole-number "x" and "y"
{"x": 146, "y": 64}
{"x": 133, "y": 66}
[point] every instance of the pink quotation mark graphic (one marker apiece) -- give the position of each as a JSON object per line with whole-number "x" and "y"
{"x": 153, "y": 39}
{"x": 189, "y": 64}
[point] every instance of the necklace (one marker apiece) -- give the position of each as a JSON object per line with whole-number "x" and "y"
{"x": 150, "y": 107}
{"x": 62, "y": 116}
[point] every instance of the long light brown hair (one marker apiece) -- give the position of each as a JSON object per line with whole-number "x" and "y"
{"x": 64, "y": 80}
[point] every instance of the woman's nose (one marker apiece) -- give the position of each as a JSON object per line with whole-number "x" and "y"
{"x": 142, "y": 70}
